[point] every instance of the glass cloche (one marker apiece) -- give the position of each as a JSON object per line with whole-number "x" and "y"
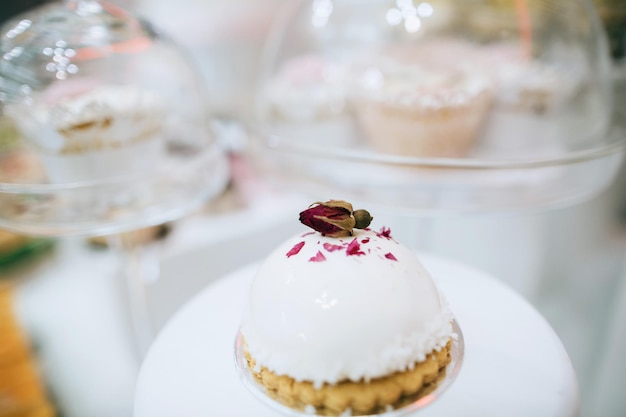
{"x": 105, "y": 125}
{"x": 440, "y": 105}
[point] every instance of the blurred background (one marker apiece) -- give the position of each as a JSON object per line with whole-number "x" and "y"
{"x": 66, "y": 347}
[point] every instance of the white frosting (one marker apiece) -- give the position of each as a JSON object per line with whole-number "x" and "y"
{"x": 308, "y": 88}
{"x": 423, "y": 88}
{"x": 354, "y": 317}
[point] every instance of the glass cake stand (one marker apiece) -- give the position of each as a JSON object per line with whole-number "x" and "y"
{"x": 429, "y": 394}
{"x": 439, "y": 106}
{"x": 110, "y": 132}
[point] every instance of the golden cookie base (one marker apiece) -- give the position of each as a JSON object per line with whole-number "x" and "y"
{"x": 376, "y": 396}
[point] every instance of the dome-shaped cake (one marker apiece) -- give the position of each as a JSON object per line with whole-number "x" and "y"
{"x": 342, "y": 322}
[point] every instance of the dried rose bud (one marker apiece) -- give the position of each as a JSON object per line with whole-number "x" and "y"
{"x": 334, "y": 218}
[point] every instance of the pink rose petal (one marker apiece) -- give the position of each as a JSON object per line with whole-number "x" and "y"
{"x": 295, "y": 250}
{"x": 390, "y": 256}
{"x": 384, "y": 232}
{"x": 331, "y": 247}
{"x": 366, "y": 240}
{"x": 319, "y": 257}
{"x": 354, "y": 248}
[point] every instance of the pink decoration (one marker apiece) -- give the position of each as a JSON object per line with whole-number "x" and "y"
{"x": 331, "y": 248}
{"x": 390, "y": 256}
{"x": 384, "y": 232}
{"x": 295, "y": 250}
{"x": 319, "y": 257}
{"x": 354, "y": 248}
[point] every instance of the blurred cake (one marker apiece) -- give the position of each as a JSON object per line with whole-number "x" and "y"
{"x": 532, "y": 102}
{"x": 524, "y": 108}
{"x": 345, "y": 321}
{"x": 420, "y": 110}
{"x": 96, "y": 134}
{"x": 307, "y": 102}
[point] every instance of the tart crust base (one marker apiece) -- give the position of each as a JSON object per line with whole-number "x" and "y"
{"x": 362, "y": 398}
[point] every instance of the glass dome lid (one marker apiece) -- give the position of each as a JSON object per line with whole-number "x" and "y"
{"x": 70, "y": 68}
{"x": 407, "y": 84}
{"x": 105, "y": 123}
{"x": 54, "y": 41}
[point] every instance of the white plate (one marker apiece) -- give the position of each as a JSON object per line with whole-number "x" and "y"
{"x": 514, "y": 364}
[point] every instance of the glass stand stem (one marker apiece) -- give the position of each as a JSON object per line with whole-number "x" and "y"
{"x": 139, "y": 267}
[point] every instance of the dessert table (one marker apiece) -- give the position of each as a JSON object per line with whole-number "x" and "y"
{"x": 514, "y": 363}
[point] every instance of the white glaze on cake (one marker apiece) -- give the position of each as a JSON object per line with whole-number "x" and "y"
{"x": 352, "y": 308}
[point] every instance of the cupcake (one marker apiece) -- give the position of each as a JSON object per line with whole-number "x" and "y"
{"x": 307, "y": 102}
{"x": 524, "y": 114}
{"x": 345, "y": 320}
{"x": 542, "y": 106}
{"x": 425, "y": 111}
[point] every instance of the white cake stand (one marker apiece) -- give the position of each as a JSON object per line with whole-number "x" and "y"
{"x": 514, "y": 364}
